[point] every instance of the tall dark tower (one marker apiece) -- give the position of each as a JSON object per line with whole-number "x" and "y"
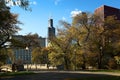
{"x": 51, "y": 30}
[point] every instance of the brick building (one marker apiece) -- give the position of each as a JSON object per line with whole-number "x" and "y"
{"x": 104, "y": 11}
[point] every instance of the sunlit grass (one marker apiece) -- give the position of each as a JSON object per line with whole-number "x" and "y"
{"x": 118, "y": 71}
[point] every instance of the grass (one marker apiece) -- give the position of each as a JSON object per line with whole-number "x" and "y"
{"x": 15, "y": 73}
{"x": 7, "y": 74}
{"x": 98, "y": 78}
{"x": 118, "y": 71}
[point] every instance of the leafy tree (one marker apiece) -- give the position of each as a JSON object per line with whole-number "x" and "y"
{"x": 95, "y": 42}
{"x": 36, "y": 55}
{"x": 8, "y": 23}
{"x": 105, "y": 40}
{"x": 72, "y": 40}
{"x": 8, "y": 26}
{"x": 32, "y": 40}
{"x": 9, "y": 20}
{"x": 55, "y": 55}
{"x": 11, "y": 55}
{"x": 62, "y": 47}
{"x": 3, "y": 56}
{"x": 21, "y": 3}
{"x": 45, "y": 53}
{"x": 17, "y": 42}
{"x": 96, "y": 37}
{"x": 82, "y": 25}
{"x": 39, "y": 56}
{"x": 29, "y": 40}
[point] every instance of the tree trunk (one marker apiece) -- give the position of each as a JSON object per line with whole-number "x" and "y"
{"x": 99, "y": 63}
{"x": 84, "y": 62}
{"x": 100, "y": 59}
{"x": 66, "y": 64}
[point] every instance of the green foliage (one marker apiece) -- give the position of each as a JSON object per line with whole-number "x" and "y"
{"x": 17, "y": 43}
{"x": 37, "y": 55}
{"x": 88, "y": 41}
{"x": 32, "y": 40}
{"x": 55, "y": 56}
{"x": 40, "y": 56}
{"x": 8, "y": 23}
{"x": 3, "y": 56}
{"x": 16, "y": 73}
{"x": 8, "y": 20}
{"x": 11, "y": 55}
{"x": 8, "y": 26}
{"x": 117, "y": 58}
{"x": 24, "y": 4}
{"x": 6, "y": 54}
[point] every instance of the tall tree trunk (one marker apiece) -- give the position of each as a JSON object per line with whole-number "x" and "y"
{"x": 84, "y": 62}
{"x": 100, "y": 59}
{"x": 66, "y": 63}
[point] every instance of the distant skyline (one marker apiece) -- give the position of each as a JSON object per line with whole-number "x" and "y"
{"x": 36, "y": 21}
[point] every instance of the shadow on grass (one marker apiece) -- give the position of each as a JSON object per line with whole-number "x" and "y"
{"x": 58, "y": 75}
{"x": 15, "y": 73}
{"x": 96, "y": 78}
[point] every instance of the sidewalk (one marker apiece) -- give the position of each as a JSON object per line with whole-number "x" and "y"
{"x": 83, "y": 72}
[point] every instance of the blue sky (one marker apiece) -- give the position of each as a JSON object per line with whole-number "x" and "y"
{"x": 37, "y": 20}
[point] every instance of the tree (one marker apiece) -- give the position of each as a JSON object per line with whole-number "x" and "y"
{"x": 17, "y": 41}
{"x": 62, "y": 47}
{"x": 8, "y": 26}
{"x": 3, "y": 56}
{"x": 37, "y": 57}
{"x": 32, "y": 40}
{"x": 8, "y": 22}
{"x": 11, "y": 55}
{"x": 71, "y": 41}
{"x": 112, "y": 39}
{"x": 96, "y": 37}
{"x": 82, "y": 25}
{"x": 102, "y": 38}
{"x": 6, "y": 54}
{"x": 93, "y": 40}
{"x": 21, "y": 3}
{"x": 45, "y": 53}
{"x": 40, "y": 56}
{"x": 55, "y": 55}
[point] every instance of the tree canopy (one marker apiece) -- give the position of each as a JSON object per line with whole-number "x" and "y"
{"x": 88, "y": 41}
{"x": 9, "y": 23}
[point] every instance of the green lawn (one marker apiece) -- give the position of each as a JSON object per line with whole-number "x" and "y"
{"x": 15, "y": 73}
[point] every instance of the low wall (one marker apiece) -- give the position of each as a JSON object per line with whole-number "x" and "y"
{"x": 33, "y": 66}
{"x": 38, "y": 67}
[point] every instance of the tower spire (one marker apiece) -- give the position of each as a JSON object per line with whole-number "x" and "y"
{"x": 51, "y": 29}
{"x": 50, "y": 23}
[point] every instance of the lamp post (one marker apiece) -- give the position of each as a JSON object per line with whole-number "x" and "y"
{"x": 75, "y": 59}
{"x": 27, "y": 49}
{"x": 100, "y": 57}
